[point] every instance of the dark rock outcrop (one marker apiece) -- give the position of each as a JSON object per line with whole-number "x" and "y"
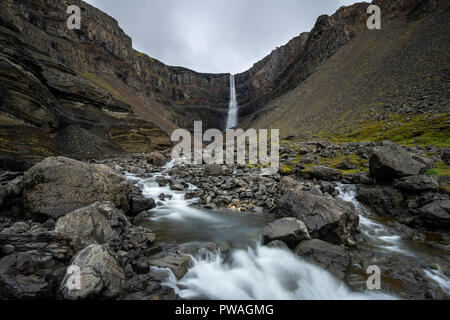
{"x": 391, "y": 161}
{"x": 436, "y": 215}
{"x": 289, "y": 230}
{"x": 325, "y": 173}
{"x": 213, "y": 170}
{"x": 32, "y": 261}
{"x": 139, "y": 203}
{"x": 383, "y": 200}
{"x": 98, "y": 223}
{"x": 421, "y": 183}
{"x": 57, "y": 186}
{"x": 329, "y": 219}
{"x": 99, "y": 275}
{"x": 328, "y": 256}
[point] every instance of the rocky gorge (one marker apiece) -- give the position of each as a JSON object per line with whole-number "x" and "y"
{"x": 92, "y": 206}
{"x": 100, "y": 216}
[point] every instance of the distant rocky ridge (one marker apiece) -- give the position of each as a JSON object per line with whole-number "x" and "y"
{"x": 341, "y": 78}
{"x": 286, "y": 67}
{"x": 88, "y": 94}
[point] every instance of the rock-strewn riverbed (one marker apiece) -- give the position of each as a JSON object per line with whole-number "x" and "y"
{"x": 340, "y": 207}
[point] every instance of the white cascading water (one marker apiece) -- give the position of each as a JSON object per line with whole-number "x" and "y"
{"x": 233, "y": 107}
{"x": 261, "y": 273}
{"x": 258, "y": 272}
{"x": 385, "y": 238}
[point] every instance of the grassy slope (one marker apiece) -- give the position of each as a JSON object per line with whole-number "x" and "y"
{"x": 372, "y": 89}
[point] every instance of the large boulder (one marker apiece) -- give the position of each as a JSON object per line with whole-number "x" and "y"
{"x": 94, "y": 272}
{"x": 98, "y": 223}
{"x": 213, "y": 170}
{"x": 178, "y": 264}
{"x": 436, "y": 215}
{"x": 57, "y": 186}
{"x": 289, "y": 230}
{"x": 326, "y": 218}
{"x": 325, "y": 173}
{"x": 326, "y": 255}
{"x": 382, "y": 200}
{"x": 420, "y": 183}
{"x": 445, "y": 155}
{"x": 157, "y": 159}
{"x": 140, "y": 203}
{"x": 390, "y": 161}
{"x": 32, "y": 261}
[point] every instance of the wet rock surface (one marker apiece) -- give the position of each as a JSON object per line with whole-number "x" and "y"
{"x": 287, "y": 230}
{"x": 57, "y": 186}
{"x": 100, "y": 275}
{"x": 37, "y": 254}
{"x": 328, "y": 256}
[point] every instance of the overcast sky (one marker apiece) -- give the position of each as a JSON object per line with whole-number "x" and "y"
{"x": 214, "y": 35}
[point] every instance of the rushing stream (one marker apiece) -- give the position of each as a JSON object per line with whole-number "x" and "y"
{"x": 384, "y": 238}
{"x": 249, "y": 270}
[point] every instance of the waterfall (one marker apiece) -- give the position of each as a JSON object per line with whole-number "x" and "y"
{"x": 233, "y": 107}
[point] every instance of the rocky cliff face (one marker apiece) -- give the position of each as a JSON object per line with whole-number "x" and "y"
{"x": 288, "y": 66}
{"x": 382, "y": 84}
{"x": 86, "y": 93}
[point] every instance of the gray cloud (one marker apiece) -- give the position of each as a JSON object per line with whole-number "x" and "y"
{"x": 214, "y": 35}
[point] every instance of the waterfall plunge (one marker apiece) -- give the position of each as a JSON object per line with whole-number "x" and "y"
{"x": 233, "y": 108}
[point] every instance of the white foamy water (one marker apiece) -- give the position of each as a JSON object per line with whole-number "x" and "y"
{"x": 262, "y": 274}
{"x": 380, "y": 234}
{"x": 233, "y": 107}
{"x": 256, "y": 273}
{"x": 385, "y": 238}
{"x": 439, "y": 277}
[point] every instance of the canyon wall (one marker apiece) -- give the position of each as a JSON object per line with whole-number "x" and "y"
{"x": 87, "y": 93}
{"x": 288, "y": 66}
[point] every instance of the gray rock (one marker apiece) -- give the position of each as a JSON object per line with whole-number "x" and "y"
{"x": 329, "y": 219}
{"x": 436, "y": 214}
{"x": 57, "y": 186}
{"x": 327, "y": 187}
{"x": 177, "y": 187}
{"x": 391, "y": 161}
{"x": 277, "y": 244}
{"x": 163, "y": 181}
{"x": 213, "y": 170}
{"x": 179, "y": 264}
{"x": 140, "y": 203}
{"x": 325, "y": 173}
{"x": 289, "y": 230}
{"x": 315, "y": 191}
{"x": 99, "y": 272}
{"x": 382, "y": 200}
{"x": 34, "y": 264}
{"x": 97, "y": 224}
{"x": 419, "y": 183}
{"x": 445, "y": 155}
{"x": 157, "y": 159}
{"x": 328, "y": 256}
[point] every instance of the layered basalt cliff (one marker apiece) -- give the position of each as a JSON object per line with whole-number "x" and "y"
{"x": 87, "y": 93}
{"x": 380, "y": 84}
